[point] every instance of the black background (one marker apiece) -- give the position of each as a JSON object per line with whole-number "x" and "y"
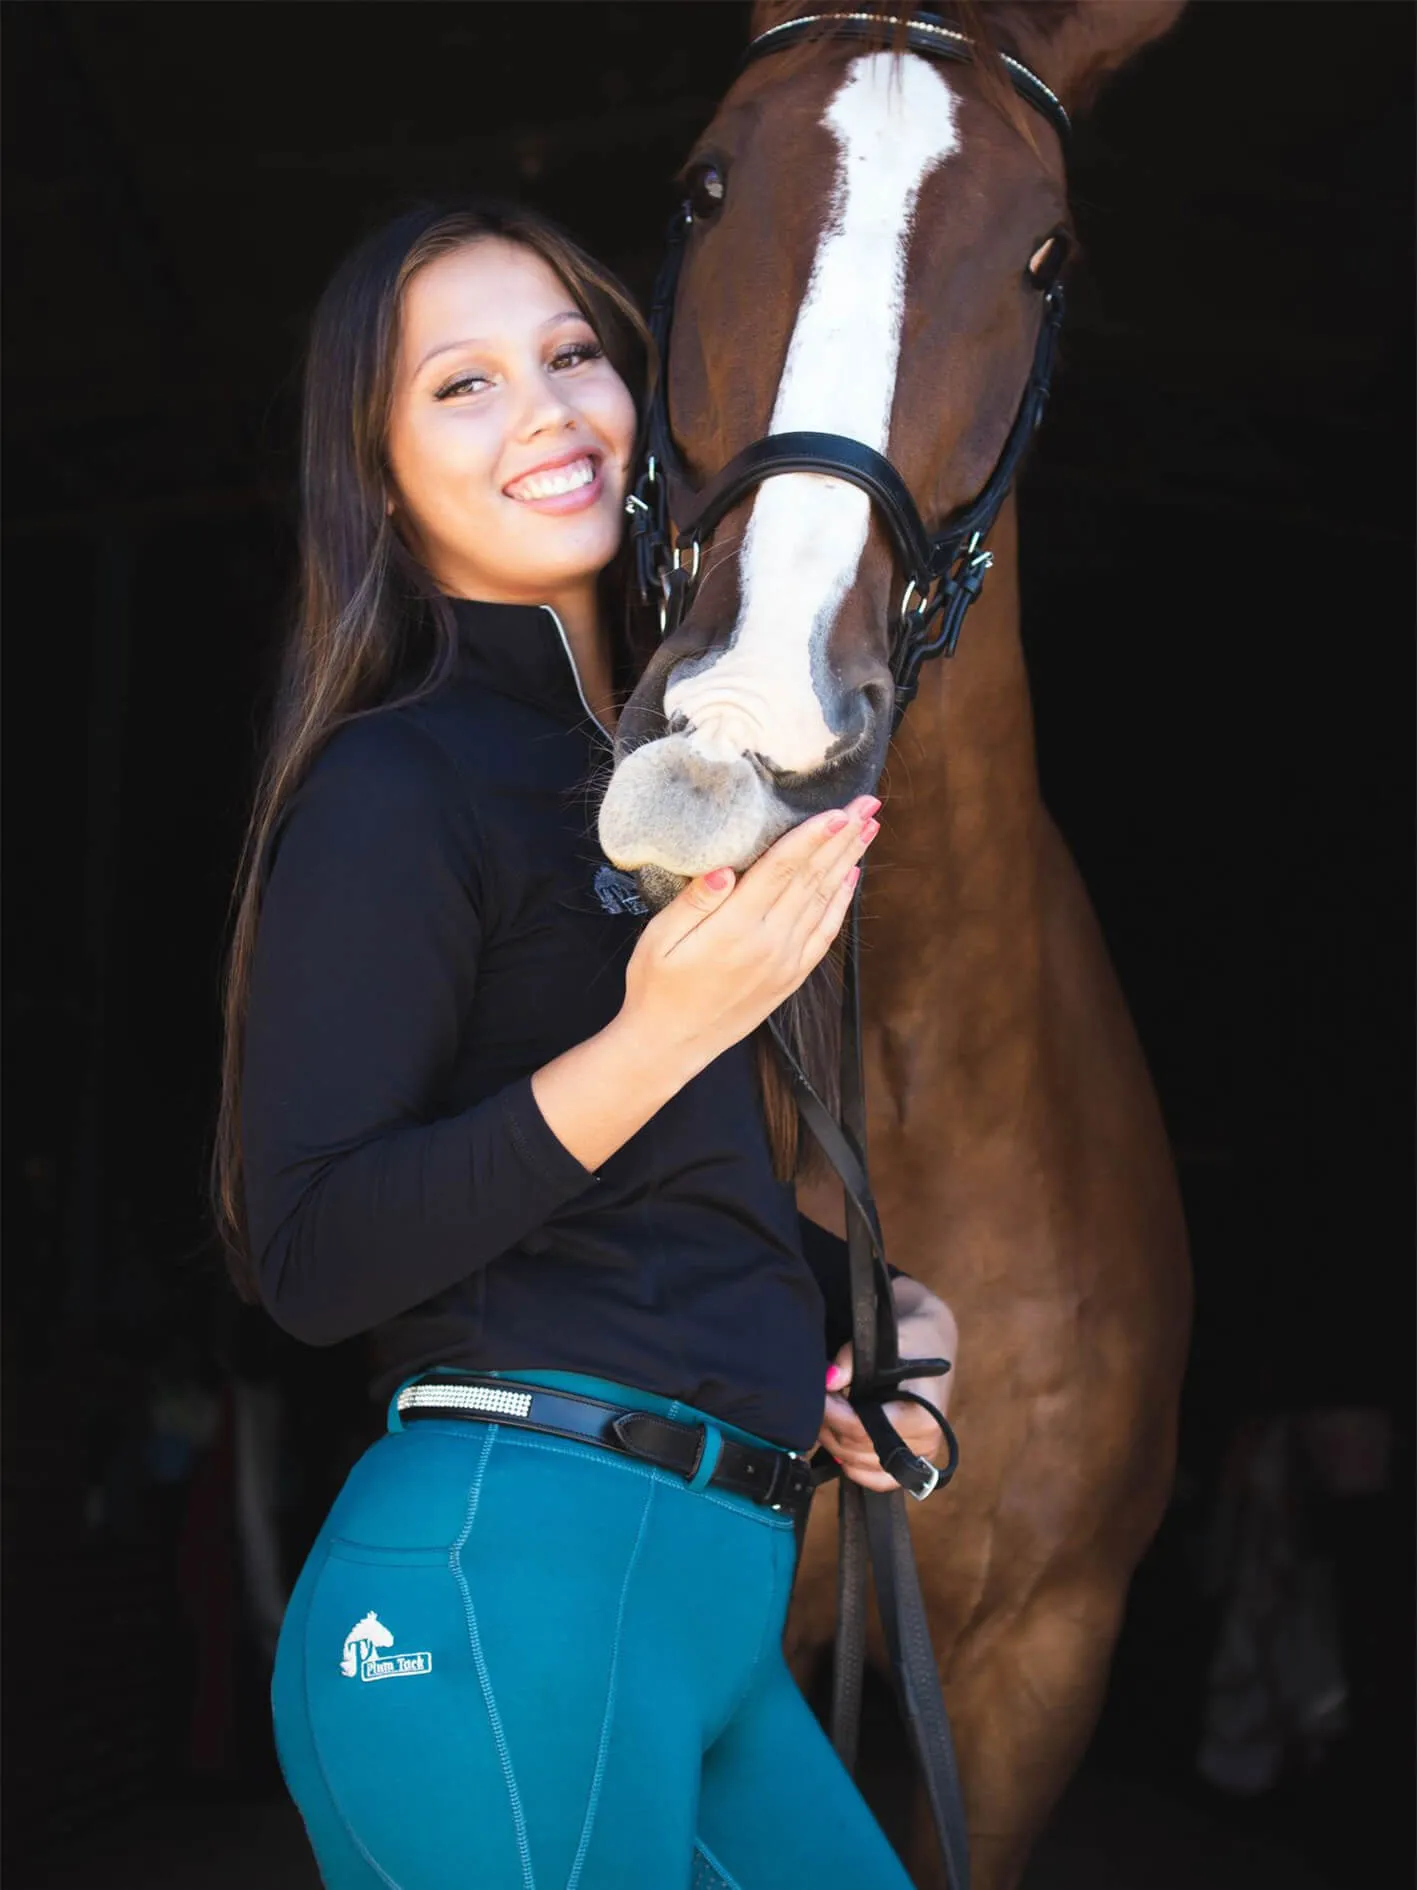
{"x": 1217, "y": 564}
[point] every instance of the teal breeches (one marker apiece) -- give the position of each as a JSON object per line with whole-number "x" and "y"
{"x": 513, "y": 1662}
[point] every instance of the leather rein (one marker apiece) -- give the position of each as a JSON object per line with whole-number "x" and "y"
{"x": 943, "y": 573}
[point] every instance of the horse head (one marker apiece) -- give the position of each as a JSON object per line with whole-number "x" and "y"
{"x": 873, "y": 237}
{"x": 361, "y": 1642}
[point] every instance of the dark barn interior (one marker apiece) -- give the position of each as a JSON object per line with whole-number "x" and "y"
{"x": 1217, "y": 565}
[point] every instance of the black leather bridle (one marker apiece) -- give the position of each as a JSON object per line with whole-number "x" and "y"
{"x": 943, "y": 573}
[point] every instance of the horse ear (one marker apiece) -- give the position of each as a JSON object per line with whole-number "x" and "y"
{"x": 1079, "y": 43}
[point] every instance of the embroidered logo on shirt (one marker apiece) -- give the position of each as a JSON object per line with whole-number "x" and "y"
{"x": 362, "y": 1656}
{"x": 617, "y": 891}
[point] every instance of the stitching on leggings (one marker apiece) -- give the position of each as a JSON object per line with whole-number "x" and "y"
{"x": 479, "y": 1661}
{"x": 350, "y": 1831}
{"x": 728, "y": 1880}
{"x": 593, "y": 1799}
{"x": 768, "y": 1613}
{"x": 664, "y": 1478}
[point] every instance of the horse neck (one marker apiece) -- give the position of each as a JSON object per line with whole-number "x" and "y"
{"x": 953, "y": 908}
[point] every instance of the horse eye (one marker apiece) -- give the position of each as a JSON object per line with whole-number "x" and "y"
{"x": 707, "y": 190}
{"x": 1045, "y": 265}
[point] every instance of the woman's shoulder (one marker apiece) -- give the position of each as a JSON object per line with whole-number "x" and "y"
{"x": 391, "y": 749}
{"x": 380, "y": 784}
{"x": 423, "y": 749}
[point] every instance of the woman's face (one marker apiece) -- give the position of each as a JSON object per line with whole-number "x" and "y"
{"x": 510, "y": 433}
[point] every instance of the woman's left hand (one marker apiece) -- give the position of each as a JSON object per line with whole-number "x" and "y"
{"x": 927, "y": 1330}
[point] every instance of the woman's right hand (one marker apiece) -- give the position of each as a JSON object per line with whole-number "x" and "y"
{"x": 725, "y": 952}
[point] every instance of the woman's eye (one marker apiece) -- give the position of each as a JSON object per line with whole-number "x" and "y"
{"x": 1045, "y": 265}
{"x": 707, "y": 189}
{"x": 576, "y": 352}
{"x": 460, "y": 384}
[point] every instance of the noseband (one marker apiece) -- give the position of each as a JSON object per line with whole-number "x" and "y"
{"x": 944, "y": 571}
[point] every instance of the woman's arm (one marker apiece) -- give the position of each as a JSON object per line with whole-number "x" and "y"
{"x": 826, "y": 1254}
{"x": 360, "y": 1201}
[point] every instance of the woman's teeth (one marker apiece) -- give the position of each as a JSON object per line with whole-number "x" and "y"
{"x": 550, "y": 485}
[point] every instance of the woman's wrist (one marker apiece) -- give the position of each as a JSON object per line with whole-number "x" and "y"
{"x": 661, "y": 1061}
{"x": 645, "y": 1041}
{"x": 926, "y": 1324}
{"x": 597, "y": 1094}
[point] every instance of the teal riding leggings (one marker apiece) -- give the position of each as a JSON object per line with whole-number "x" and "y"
{"x": 513, "y": 1662}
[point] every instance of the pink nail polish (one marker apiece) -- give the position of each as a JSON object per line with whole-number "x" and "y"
{"x": 870, "y": 830}
{"x": 852, "y": 877}
{"x": 871, "y": 806}
{"x": 834, "y": 1376}
{"x": 718, "y": 878}
{"x": 835, "y": 822}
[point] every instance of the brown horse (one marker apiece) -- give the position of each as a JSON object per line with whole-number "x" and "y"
{"x": 870, "y": 228}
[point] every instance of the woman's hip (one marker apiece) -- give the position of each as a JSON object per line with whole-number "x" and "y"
{"x": 536, "y": 1541}
{"x": 480, "y": 1608}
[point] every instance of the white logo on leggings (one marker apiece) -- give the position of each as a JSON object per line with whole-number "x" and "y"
{"x": 362, "y": 1655}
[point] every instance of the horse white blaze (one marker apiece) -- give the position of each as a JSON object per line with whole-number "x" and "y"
{"x": 893, "y": 119}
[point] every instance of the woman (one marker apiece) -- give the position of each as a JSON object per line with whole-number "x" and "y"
{"x": 480, "y": 1108}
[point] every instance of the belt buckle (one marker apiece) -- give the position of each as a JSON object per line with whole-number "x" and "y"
{"x": 791, "y": 1470}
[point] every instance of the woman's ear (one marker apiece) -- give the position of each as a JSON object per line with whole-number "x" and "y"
{"x": 1077, "y": 44}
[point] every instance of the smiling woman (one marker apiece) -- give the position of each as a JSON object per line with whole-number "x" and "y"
{"x": 509, "y": 449}
{"x": 485, "y": 1113}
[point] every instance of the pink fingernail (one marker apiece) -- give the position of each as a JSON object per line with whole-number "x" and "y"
{"x": 872, "y": 805}
{"x": 870, "y": 830}
{"x": 718, "y": 878}
{"x": 835, "y": 822}
{"x": 834, "y": 1376}
{"x": 852, "y": 878}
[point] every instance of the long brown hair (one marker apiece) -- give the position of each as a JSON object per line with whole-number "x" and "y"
{"x": 370, "y": 626}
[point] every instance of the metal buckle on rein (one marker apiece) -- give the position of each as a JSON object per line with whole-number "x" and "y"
{"x": 933, "y": 1481}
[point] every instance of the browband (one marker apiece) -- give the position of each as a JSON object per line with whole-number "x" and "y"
{"x": 924, "y": 33}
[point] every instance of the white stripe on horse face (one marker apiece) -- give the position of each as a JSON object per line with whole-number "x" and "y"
{"x": 893, "y": 119}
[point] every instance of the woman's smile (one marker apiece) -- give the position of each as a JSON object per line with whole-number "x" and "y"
{"x": 570, "y": 483}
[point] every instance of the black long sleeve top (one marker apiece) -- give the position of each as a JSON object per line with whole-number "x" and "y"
{"x": 437, "y": 923}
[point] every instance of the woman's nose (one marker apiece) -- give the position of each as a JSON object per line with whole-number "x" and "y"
{"x": 544, "y": 409}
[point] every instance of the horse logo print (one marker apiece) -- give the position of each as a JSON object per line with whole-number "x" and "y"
{"x": 363, "y": 1657}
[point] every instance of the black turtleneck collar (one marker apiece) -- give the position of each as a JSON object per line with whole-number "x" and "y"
{"x": 522, "y": 651}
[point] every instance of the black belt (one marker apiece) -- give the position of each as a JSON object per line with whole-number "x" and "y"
{"x": 778, "y": 1479}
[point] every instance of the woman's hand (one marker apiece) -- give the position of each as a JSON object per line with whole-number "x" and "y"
{"x": 927, "y": 1330}
{"x": 729, "y": 949}
{"x": 705, "y": 972}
